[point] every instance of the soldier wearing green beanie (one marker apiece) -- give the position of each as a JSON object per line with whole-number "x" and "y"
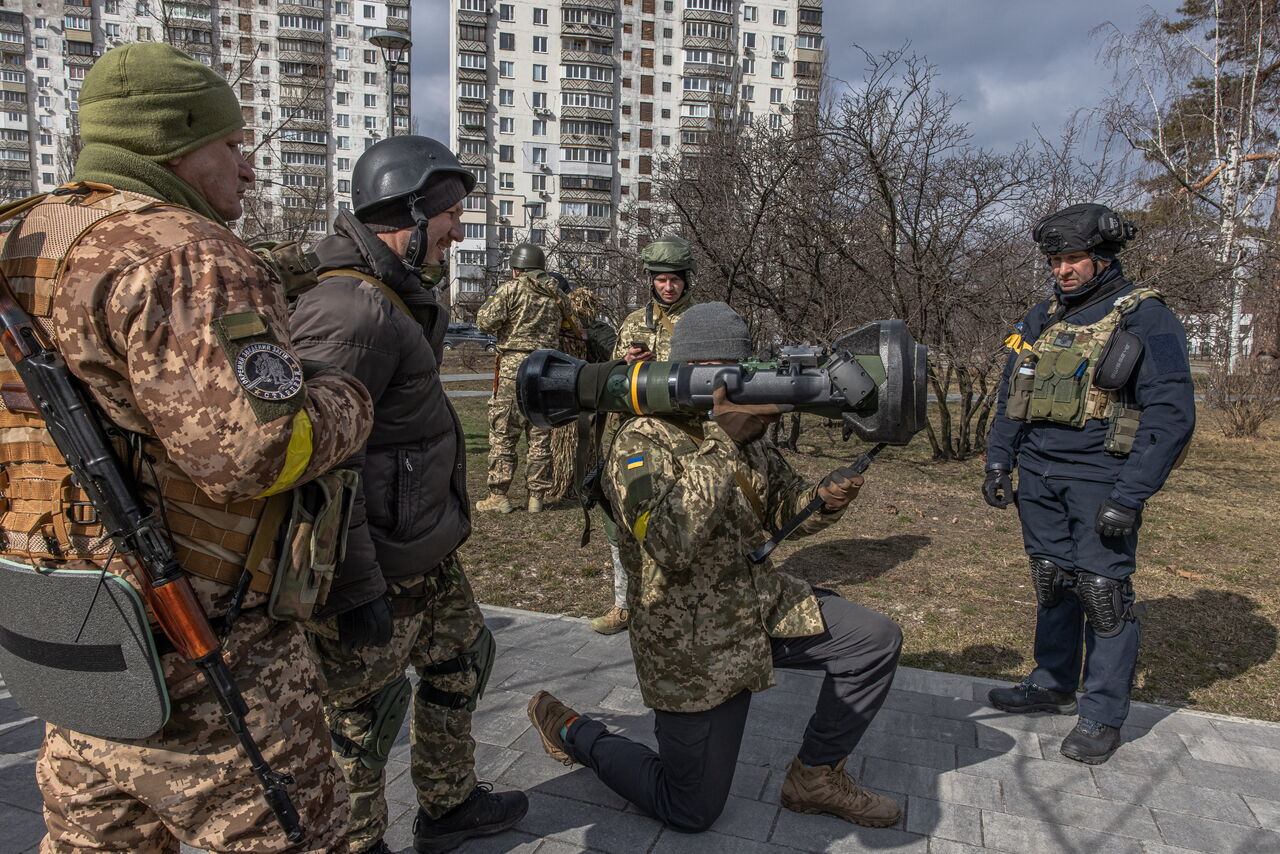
{"x": 180, "y": 333}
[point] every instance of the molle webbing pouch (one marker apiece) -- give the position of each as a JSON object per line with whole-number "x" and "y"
{"x": 313, "y": 543}
{"x": 1021, "y": 385}
{"x": 77, "y": 651}
{"x": 1061, "y": 383}
{"x": 291, "y": 264}
{"x": 1122, "y": 429}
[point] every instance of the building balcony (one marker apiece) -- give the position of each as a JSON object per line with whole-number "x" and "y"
{"x": 303, "y": 35}
{"x": 585, "y": 194}
{"x": 472, "y": 132}
{"x": 475, "y": 19}
{"x": 606, "y": 60}
{"x": 467, "y": 159}
{"x": 400, "y": 25}
{"x": 600, "y": 5}
{"x": 809, "y": 4}
{"x": 592, "y": 30}
{"x": 591, "y": 113}
{"x": 695, "y": 123}
{"x": 588, "y": 140}
{"x": 704, "y": 69}
{"x": 473, "y": 103}
{"x": 809, "y": 29}
{"x": 708, "y": 97}
{"x": 707, "y": 43}
{"x": 473, "y": 75}
{"x": 708, "y": 15}
{"x": 603, "y": 222}
{"x": 601, "y": 86}
{"x": 470, "y": 46}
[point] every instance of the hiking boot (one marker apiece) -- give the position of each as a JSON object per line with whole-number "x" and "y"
{"x": 829, "y": 789}
{"x": 549, "y": 716}
{"x": 496, "y": 503}
{"x": 378, "y": 847}
{"x": 1091, "y": 742}
{"x": 535, "y": 503}
{"x": 1027, "y": 696}
{"x": 612, "y": 621}
{"x": 483, "y": 813}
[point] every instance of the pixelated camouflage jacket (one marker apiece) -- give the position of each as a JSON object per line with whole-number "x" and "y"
{"x": 527, "y": 313}
{"x": 702, "y": 613}
{"x": 137, "y": 316}
{"x": 651, "y": 324}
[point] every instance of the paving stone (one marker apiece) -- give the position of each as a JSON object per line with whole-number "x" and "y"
{"x": 1129, "y": 759}
{"x": 1171, "y": 795}
{"x": 940, "y": 819}
{"x": 21, "y": 829}
{"x": 924, "y": 725}
{"x": 712, "y": 842}
{"x": 749, "y": 781}
{"x": 544, "y": 775}
{"x": 797, "y": 682}
{"x": 501, "y": 717}
{"x": 1266, "y": 812}
{"x": 588, "y": 825}
{"x": 1162, "y": 719}
{"x": 827, "y": 833}
{"x": 606, "y": 649}
{"x": 1218, "y": 837}
{"x": 1243, "y": 780}
{"x": 1249, "y": 732}
{"x": 628, "y": 700}
{"x": 18, "y": 783}
{"x": 1024, "y": 743}
{"x": 915, "y": 780}
{"x": 930, "y": 682}
{"x": 1121, "y": 819}
{"x": 1016, "y": 770}
{"x": 913, "y": 751}
{"x": 950, "y": 846}
{"x": 909, "y": 701}
{"x": 746, "y": 818}
{"x": 1020, "y": 835}
{"x": 1161, "y": 848}
{"x": 1226, "y": 752}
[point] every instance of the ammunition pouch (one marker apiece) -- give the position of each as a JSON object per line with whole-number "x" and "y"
{"x": 312, "y": 544}
{"x": 479, "y": 658}
{"x": 1049, "y": 580}
{"x": 1061, "y": 384}
{"x": 293, "y": 266}
{"x": 1122, "y": 429}
{"x": 77, "y": 651}
{"x": 1106, "y": 602}
{"x": 389, "y": 707}
{"x": 1017, "y": 404}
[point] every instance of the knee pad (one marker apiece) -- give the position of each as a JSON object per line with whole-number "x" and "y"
{"x": 479, "y": 657}
{"x": 389, "y": 707}
{"x": 1103, "y": 601}
{"x": 1049, "y": 580}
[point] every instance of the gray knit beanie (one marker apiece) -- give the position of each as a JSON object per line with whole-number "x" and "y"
{"x": 710, "y": 332}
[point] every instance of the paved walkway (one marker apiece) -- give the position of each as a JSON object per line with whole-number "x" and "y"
{"x": 971, "y": 779}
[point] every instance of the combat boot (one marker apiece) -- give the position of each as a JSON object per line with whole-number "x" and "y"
{"x": 1027, "y": 696}
{"x": 535, "y": 503}
{"x": 829, "y": 789}
{"x": 495, "y": 503}
{"x": 379, "y": 847}
{"x": 1091, "y": 742}
{"x": 483, "y": 813}
{"x": 549, "y": 716}
{"x": 612, "y": 621}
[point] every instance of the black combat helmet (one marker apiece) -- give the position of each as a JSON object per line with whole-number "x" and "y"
{"x": 1095, "y": 229}
{"x": 526, "y": 256}
{"x": 399, "y": 167}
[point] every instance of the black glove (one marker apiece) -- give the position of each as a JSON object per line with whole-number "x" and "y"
{"x": 365, "y": 625}
{"x": 997, "y": 489}
{"x": 1116, "y": 520}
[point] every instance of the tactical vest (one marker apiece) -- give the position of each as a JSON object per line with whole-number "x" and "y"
{"x": 44, "y": 516}
{"x": 1054, "y": 379}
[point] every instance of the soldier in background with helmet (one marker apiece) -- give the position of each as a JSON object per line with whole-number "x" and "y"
{"x": 1095, "y": 406}
{"x": 180, "y": 334}
{"x": 527, "y": 313}
{"x": 646, "y": 336}
{"x": 374, "y": 313}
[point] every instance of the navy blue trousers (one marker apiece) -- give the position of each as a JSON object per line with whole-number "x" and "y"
{"x": 1058, "y": 516}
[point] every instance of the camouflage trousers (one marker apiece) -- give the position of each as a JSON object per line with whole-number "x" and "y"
{"x": 506, "y": 426}
{"x": 441, "y": 749}
{"x": 191, "y": 781}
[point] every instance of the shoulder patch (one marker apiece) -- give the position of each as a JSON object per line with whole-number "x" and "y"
{"x": 1168, "y": 356}
{"x": 268, "y": 371}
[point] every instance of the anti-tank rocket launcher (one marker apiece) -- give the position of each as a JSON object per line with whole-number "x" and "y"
{"x": 872, "y": 379}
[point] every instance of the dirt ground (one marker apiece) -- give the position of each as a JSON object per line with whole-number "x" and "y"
{"x": 921, "y": 546}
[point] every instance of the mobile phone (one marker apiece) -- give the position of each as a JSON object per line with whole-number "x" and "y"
{"x": 640, "y": 344}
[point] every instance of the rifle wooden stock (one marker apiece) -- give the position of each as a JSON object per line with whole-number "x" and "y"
{"x": 49, "y": 390}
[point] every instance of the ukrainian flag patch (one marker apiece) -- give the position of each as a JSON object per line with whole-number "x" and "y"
{"x": 635, "y": 462}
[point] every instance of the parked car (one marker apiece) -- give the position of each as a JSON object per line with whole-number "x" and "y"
{"x": 468, "y": 335}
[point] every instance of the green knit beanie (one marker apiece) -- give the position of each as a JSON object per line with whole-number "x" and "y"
{"x": 154, "y": 100}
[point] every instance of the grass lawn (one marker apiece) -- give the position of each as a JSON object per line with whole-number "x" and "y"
{"x": 921, "y": 546}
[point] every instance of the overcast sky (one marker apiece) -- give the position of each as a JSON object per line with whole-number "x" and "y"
{"x": 1015, "y": 64}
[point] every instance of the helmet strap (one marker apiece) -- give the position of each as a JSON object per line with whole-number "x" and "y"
{"x": 416, "y": 251}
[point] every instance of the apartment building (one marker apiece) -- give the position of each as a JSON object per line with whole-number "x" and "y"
{"x": 563, "y": 105}
{"x": 314, "y": 90}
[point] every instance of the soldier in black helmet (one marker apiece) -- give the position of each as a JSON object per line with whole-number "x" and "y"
{"x": 1095, "y": 407}
{"x": 402, "y": 597}
{"x": 529, "y": 312}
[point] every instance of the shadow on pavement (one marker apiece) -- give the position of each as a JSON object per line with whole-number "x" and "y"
{"x": 853, "y": 561}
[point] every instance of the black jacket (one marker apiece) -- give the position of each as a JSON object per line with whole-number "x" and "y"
{"x": 413, "y": 508}
{"x": 1161, "y": 388}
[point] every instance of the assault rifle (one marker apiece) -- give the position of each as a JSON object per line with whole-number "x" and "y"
{"x": 138, "y": 532}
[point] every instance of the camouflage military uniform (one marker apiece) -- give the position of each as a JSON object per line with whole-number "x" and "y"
{"x": 442, "y": 750}
{"x": 136, "y": 316}
{"x": 525, "y": 314}
{"x": 651, "y": 325}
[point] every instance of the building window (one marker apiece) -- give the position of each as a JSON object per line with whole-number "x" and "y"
{"x": 775, "y": 121}
{"x": 504, "y": 207}
{"x": 343, "y": 142}
{"x": 342, "y": 120}
{"x": 506, "y": 181}
{"x": 539, "y": 154}
{"x": 775, "y": 96}
{"x": 506, "y": 124}
{"x": 506, "y": 41}
{"x": 506, "y": 68}
{"x": 475, "y": 203}
{"x": 540, "y": 74}
{"x": 370, "y": 99}
{"x": 809, "y": 42}
{"x": 775, "y": 69}
{"x": 539, "y": 17}
{"x": 506, "y": 12}
{"x": 370, "y": 11}
{"x": 749, "y": 40}
{"x": 539, "y": 100}
{"x": 539, "y": 183}
{"x": 473, "y": 230}
{"x": 750, "y": 13}
{"x": 779, "y": 17}
{"x": 539, "y": 44}
{"x": 779, "y": 42}
{"x": 539, "y": 127}
{"x": 507, "y": 153}
{"x": 748, "y": 93}
{"x": 506, "y": 97}
{"x": 370, "y": 57}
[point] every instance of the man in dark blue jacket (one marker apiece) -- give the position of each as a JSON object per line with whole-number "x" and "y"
{"x": 1095, "y": 408}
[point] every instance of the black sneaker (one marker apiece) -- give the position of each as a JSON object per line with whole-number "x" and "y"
{"x": 483, "y": 813}
{"x": 1027, "y": 696}
{"x": 1091, "y": 742}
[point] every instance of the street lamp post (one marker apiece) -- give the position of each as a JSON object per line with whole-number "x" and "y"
{"x": 395, "y": 50}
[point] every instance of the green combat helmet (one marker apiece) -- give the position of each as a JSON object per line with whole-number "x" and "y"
{"x": 526, "y": 256}
{"x": 668, "y": 255}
